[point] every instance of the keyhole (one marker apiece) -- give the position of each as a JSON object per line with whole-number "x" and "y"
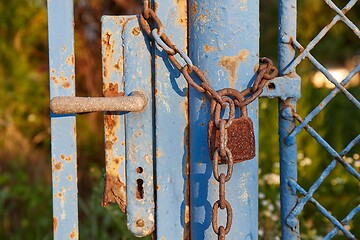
{"x": 139, "y": 188}
{"x": 271, "y": 86}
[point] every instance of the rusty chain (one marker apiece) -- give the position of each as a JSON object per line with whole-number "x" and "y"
{"x": 220, "y": 100}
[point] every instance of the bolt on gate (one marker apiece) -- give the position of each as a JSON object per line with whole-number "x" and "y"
{"x": 163, "y": 81}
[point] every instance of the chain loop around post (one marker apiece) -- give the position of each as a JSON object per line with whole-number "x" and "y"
{"x": 153, "y": 27}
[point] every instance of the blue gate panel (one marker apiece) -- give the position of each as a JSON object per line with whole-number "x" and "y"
{"x": 171, "y": 129}
{"x": 224, "y": 42}
{"x": 63, "y": 127}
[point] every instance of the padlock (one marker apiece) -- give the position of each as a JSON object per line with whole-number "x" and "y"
{"x": 240, "y": 132}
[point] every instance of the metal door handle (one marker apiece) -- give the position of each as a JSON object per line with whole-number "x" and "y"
{"x": 136, "y": 102}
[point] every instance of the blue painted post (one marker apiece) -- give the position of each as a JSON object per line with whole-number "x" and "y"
{"x": 288, "y": 153}
{"x": 63, "y": 127}
{"x": 224, "y": 42}
{"x": 171, "y": 129}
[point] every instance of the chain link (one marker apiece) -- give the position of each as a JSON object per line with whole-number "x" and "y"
{"x": 221, "y": 99}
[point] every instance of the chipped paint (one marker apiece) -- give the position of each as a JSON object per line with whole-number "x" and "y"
{"x": 57, "y": 166}
{"x": 73, "y": 234}
{"x": 208, "y": 48}
{"x": 71, "y": 60}
{"x": 107, "y": 58}
{"x": 55, "y": 225}
{"x": 194, "y": 9}
{"x": 63, "y": 146}
{"x": 181, "y": 10}
{"x": 232, "y": 63}
{"x": 114, "y": 192}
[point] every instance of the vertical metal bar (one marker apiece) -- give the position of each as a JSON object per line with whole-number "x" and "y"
{"x": 139, "y": 133}
{"x": 224, "y": 42}
{"x": 114, "y": 123}
{"x": 288, "y": 153}
{"x": 171, "y": 124}
{"x": 63, "y": 127}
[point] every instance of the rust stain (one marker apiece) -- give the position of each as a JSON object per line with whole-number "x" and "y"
{"x": 52, "y": 70}
{"x": 106, "y": 41}
{"x": 194, "y": 9}
{"x": 73, "y": 77}
{"x": 58, "y": 195}
{"x": 231, "y": 64}
{"x": 57, "y": 166}
{"x": 208, "y": 48}
{"x": 73, "y": 234}
{"x": 256, "y": 67}
{"x": 70, "y": 178}
{"x": 108, "y": 144}
{"x": 55, "y": 224}
{"x": 182, "y": 13}
{"x": 55, "y": 80}
{"x": 62, "y": 156}
{"x": 112, "y": 90}
{"x": 71, "y": 60}
{"x": 157, "y": 187}
{"x": 63, "y": 79}
{"x": 114, "y": 191}
{"x": 158, "y": 153}
{"x": 66, "y": 85}
{"x": 118, "y": 65}
{"x": 202, "y": 18}
{"x": 116, "y": 161}
{"x": 138, "y": 133}
{"x": 136, "y": 31}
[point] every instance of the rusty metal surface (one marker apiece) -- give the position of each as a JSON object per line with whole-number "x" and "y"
{"x": 223, "y": 41}
{"x": 114, "y": 123}
{"x": 136, "y": 102}
{"x": 63, "y": 127}
{"x": 240, "y": 139}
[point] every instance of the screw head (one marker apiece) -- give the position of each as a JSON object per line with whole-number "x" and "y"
{"x": 140, "y": 223}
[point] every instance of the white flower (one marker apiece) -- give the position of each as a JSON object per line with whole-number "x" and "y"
{"x": 272, "y": 179}
{"x": 357, "y": 164}
{"x": 305, "y": 162}
{"x": 349, "y": 160}
{"x": 261, "y": 195}
{"x": 270, "y": 207}
{"x": 356, "y": 156}
{"x": 265, "y": 202}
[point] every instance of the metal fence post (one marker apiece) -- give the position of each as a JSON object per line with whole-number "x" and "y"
{"x": 63, "y": 127}
{"x": 224, "y": 42}
{"x": 288, "y": 154}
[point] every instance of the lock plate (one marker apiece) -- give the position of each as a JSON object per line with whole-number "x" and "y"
{"x": 240, "y": 139}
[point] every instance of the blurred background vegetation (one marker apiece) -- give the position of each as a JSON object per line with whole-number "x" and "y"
{"x": 25, "y": 169}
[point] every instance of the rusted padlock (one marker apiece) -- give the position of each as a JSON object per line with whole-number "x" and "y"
{"x": 240, "y": 131}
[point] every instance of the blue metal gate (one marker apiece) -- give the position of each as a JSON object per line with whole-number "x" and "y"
{"x": 158, "y": 168}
